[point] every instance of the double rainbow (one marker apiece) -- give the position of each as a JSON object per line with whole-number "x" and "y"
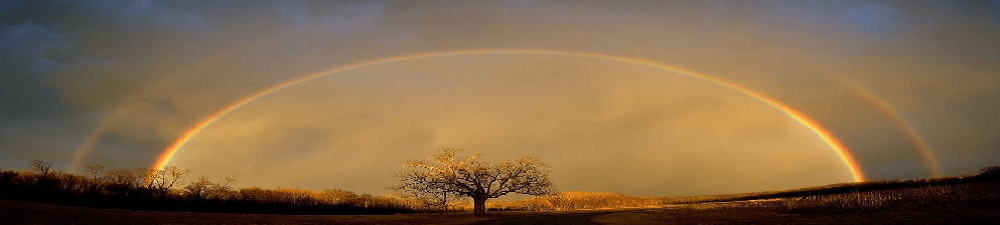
{"x": 845, "y": 156}
{"x": 926, "y": 153}
{"x": 124, "y": 107}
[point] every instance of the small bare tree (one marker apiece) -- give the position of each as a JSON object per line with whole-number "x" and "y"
{"x": 470, "y": 177}
{"x": 95, "y": 170}
{"x": 42, "y": 167}
{"x": 160, "y": 181}
{"x": 198, "y": 190}
{"x": 204, "y": 188}
{"x": 126, "y": 181}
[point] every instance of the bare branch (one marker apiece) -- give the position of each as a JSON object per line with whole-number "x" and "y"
{"x": 446, "y": 172}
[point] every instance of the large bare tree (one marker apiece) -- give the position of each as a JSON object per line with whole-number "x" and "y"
{"x": 445, "y": 173}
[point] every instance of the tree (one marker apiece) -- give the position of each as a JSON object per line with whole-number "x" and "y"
{"x": 198, "y": 190}
{"x": 95, "y": 170}
{"x": 127, "y": 182}
{"x": 339, "y": 197}
{"x": 470, "y": 177}
{"x": 42, "y": 167}
{"x": 204, "y": 188}
{"x": 160, "y": 181}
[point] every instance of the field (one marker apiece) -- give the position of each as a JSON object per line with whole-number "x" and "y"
{"x": 962, "y": 203}
{"x": 740, "y": 213}
{"x": 19, "y": 212}
{"x": 933, "y": 201}
{"x": 15, "y": 212}
{"x": 954, "y": 200}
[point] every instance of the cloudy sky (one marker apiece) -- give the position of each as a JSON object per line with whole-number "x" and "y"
{"x": 910, "y": 88}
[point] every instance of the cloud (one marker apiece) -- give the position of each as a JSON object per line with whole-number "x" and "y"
{"x": 153, "y": 69}
{"x": 593, "y": 120}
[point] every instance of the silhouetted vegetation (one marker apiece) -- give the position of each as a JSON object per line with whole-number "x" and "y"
{"x": 953, "y": 193}
{"x": 986, "y": 175}
{"x": 978, "y": 195}
{"x": 146, "y": 189}
{"x": 992, "y": 172}
{"x": 941, "y": 199}
{"x": 162, "y": 190}
{"x": 978, "y": 192}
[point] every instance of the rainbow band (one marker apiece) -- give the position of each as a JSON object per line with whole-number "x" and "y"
{"x": 814, "y": 127}
{"x": 83, "y": 150}
{"x": 925, "y": 150}
{"x": 123, "y": 107}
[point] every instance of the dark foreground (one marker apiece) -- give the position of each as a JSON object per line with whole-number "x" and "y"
{"x": 724, "y": 214}
{"x": 17, "y": 212}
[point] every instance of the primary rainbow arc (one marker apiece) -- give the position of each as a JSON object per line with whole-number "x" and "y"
{"x": 826, "y": 136}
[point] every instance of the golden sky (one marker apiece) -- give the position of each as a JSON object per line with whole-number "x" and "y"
{"x": 115, "y": 83}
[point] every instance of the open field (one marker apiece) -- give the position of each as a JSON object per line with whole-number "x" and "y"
{"x": 739, "y": 213}
{"x": 933, "y": 201}
{"x": 969, "y": 200}
{"x": 17, "y": 212}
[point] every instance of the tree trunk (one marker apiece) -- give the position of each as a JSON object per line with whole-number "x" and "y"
{"x": 479, "y": 205}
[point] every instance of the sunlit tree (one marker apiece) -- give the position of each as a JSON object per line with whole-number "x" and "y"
{"x": 95, "y": 170}
{"x": 445, "y": 173}
{"x": 337, "y": 196}
{"x": 205, "y": 188}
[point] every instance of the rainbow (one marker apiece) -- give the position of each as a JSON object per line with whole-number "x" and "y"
{"x": 925, "y": 150}
{"x": 123, "y": 107}
{"x": 845, "y": 156}
{"x": 83, "y": 150}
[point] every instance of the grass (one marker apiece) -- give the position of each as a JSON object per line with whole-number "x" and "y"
{"x": 20, "y": 212}
{"x": 968, "y": 199}
{"x": 967, "y": 196}
{"x": 575, "y": 200}
{"x": 988, "y": 174}
{"x": 951, "y": 193}
{"x": 957, "y": 200}
{"x": 959, "y": 203}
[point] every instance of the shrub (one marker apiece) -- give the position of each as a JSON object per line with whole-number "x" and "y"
{"x": 990, "y": 172}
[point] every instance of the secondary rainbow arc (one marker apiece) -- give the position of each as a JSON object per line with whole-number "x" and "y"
{"x": 122, "y": 108}
{"x": 826, "y": 136}
{"x": 889, "y": 111}
{"x": 925, "y": 150}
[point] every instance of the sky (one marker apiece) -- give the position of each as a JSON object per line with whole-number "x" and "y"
{"x": 910, "y": 89}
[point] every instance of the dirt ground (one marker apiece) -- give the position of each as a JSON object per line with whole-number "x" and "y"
{"x": 719, "y": 214}
{"x": 17, "y": 212}
{"x": 20, "y": 212}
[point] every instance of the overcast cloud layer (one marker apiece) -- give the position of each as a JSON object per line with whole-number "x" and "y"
{"x": 149, "y": 70}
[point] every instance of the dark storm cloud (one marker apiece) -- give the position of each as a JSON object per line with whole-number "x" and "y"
{"x": 163, "y": 64}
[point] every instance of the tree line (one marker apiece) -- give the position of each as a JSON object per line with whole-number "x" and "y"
{"x": 149, "y": 189}
{"x": 446, "y": 181}
{"x": 425, "y": 186}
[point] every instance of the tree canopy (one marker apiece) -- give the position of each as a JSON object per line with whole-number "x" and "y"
{"x": 446, "y": 173}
